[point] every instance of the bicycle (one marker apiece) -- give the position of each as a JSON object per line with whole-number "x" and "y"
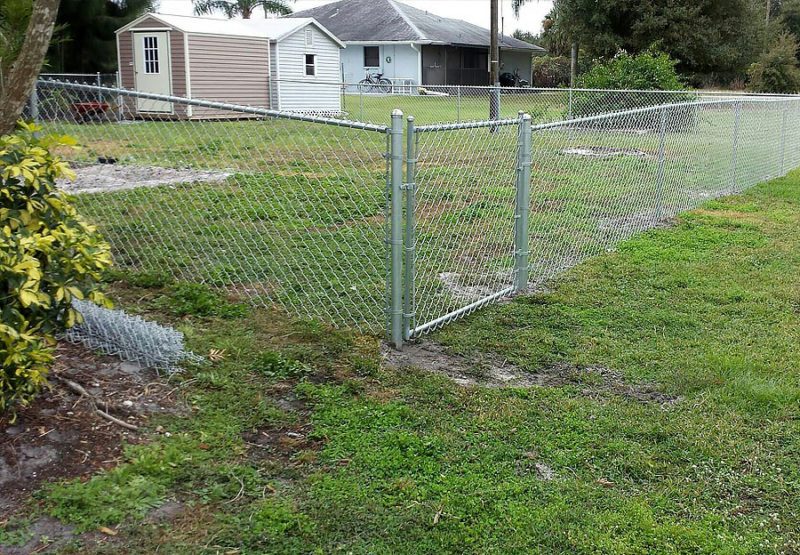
{"x": 375, "y": 83}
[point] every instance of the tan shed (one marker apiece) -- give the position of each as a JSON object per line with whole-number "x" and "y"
{"x": 280, "y": 64}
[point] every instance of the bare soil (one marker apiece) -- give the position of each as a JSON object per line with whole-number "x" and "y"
{"x": 491, "y": 372}
{"x": 99, "y": 178}
{"x": 60, "y": 435}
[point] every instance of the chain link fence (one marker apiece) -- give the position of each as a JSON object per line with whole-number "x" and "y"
{"x": 405, "y": 224}
{"x": 594, "y": 182}
{"x": 277, "y": 209}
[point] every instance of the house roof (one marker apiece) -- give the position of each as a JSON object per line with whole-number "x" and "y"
{"x": 391, "y": 21}
{"x": 273, "y": 29}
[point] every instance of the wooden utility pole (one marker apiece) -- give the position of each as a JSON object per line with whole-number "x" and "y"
{"x": 494, "y": 63}
{"x": 573, "y": 65}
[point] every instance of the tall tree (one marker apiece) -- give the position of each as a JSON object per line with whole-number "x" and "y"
{"x": 707, "y": 36}
{"x": 241, "y": 8}
{"x": 25, "y": 32}
{"x": 86, "y": 33}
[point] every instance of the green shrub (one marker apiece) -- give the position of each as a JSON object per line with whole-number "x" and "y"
{"x": 648, "y": 71}
{"x": 550, "y": 71}
{"x": 48, "y": 255}
{"x": 777, "y": 70}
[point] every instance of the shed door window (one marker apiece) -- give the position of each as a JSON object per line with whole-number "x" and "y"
{"x": 372, "y": 56}
{"x": 311, "y": 64}
{"x": 150, "y": 54}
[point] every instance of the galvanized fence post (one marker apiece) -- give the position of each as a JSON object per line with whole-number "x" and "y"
{"x": 783, "y": 136}
{"x": 410, "y": 235}
{"x": 458, "y": 103}
{"x": 396, "y": 241}
{"x": 34, "y": 102}
{"x": 735, "y": 148}
{"x": 660, "y": 179}
{"x": 120, "y": 105}
{"x": 569, "y": 106}
{"x": 522, "y": 200}
{"x": 361, "y": 102}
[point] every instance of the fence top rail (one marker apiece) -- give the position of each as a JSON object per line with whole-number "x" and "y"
{"x": 637, "y": 111}
{"x": 466, "y": 125}
{"x": 218, "y": 105}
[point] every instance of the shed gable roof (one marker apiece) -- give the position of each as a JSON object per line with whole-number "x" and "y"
{"x": 391, "y": 21}
{"x": 272, "y": 29}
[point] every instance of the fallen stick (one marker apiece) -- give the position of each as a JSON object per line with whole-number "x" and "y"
{"x": 116, "y": 421}
{"x": 80, "y": 390}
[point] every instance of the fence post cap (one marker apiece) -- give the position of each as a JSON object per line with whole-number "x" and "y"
{"x": 410, "y": 118}
{"x": 526, "y": 117}
{"x": 397, "y": 113}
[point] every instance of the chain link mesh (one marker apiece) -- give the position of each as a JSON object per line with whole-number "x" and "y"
{"x": 270, "y": 209}
{"x": 596, "y": 183}
{"x": 465, "y": 191}
{"x": 291, "y": 211}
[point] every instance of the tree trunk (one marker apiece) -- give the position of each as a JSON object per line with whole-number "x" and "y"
{"x": 25, "y": 69}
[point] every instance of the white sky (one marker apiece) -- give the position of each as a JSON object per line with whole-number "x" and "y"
{"x": 474, "y": 11}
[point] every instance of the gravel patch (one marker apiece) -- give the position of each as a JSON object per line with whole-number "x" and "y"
{"x": 606, "y": 152}
{"x": 99, "y": 178}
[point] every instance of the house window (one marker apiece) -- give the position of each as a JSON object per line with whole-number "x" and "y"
{"x": 372, "y": 56}
{"x": 150, "y": 48}
{"x": 309, "y": 37}
{"x": 311, "y": 64}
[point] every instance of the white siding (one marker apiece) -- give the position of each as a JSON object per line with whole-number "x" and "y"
{"x": 299, "y": 92}
{"x": 404, "y": 64}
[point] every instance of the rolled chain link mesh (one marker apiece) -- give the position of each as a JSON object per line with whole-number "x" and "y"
{"x": 129, "y": 337}
{"x": 292, "y": 212}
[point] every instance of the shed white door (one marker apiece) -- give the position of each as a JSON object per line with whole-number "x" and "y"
{"x": 152, "y": 69}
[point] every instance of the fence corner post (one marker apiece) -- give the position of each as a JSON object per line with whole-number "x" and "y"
{"x": 396, "y": 237}
{"x": 735, "y": 146}
{"x": 522, "y": 200}
{"x": 662, "y": 131}
{"x": 410, "y": 235}
{"x": 783, "y": 136}
{"x": 34, "y": 101}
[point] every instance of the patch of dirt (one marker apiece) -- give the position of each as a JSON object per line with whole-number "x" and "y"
{"x": 490, "y": 372}
{"x": 60, "y": 435}
{"x": 452, "y": 282}
{"x": 606, "y": 152}
{"x": 46, "y": 534}
{"x": 99, "y": 178}
{"x": 284, "y": 443}
{"x": 633, "y": 222}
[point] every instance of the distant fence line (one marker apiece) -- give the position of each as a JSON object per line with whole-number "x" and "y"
{"x": 408, "y": 225}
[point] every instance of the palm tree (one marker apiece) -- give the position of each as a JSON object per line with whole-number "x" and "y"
{"x": 242, "y": 8}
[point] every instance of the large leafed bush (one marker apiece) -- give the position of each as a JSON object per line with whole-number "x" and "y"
{"x": 48, "y": 255}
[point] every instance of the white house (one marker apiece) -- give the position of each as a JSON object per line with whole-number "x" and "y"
{"x": 407, "y": 43}
{"x": 280, "y": 64}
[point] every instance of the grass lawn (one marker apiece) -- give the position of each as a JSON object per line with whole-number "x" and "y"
{"x": 704, "y": 316}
